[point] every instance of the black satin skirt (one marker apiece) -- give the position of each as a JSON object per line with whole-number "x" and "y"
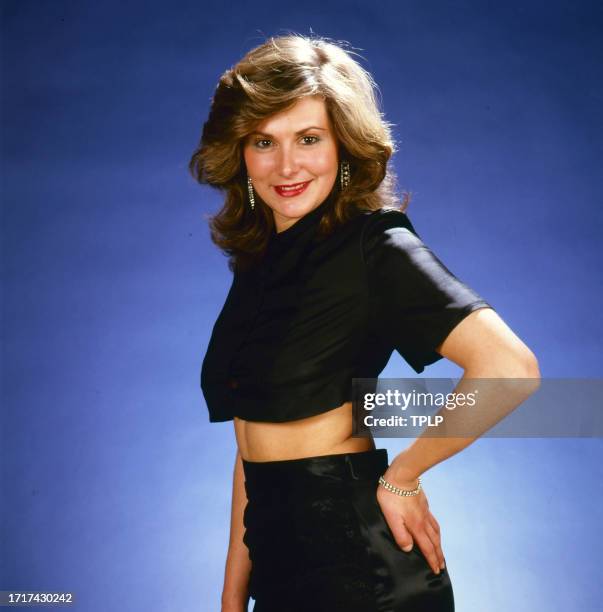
{"x": 318, "y": 541}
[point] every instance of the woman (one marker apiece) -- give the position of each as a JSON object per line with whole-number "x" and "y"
{"x": 329, "y": 278}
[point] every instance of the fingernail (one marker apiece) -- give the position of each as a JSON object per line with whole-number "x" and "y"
{"x": 443, "y": 566}
{"x": 407, "y": 548}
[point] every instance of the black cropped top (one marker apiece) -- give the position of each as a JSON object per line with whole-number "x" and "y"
{"x": 297, "y": 328}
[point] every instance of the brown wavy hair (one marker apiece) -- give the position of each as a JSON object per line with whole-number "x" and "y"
{"x": 269, "y": 79}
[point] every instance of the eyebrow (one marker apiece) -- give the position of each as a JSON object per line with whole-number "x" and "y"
{"x": 312, "y": 127}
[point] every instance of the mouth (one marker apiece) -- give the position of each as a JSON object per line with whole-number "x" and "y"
{"x": 294, "y": 189}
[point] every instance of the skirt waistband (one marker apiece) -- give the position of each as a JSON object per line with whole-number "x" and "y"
{"x": 267, "y": 476}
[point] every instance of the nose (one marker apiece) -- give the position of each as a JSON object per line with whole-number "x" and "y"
{"x": 287, "y": 163}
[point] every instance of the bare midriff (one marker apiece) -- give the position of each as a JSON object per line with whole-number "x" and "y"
{"x": 328, "y": 433}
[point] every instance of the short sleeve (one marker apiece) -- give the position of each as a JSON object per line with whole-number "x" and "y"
{"x": 417, "y": 301}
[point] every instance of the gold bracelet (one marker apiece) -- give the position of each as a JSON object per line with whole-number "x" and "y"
{"x": 401, "y": 492}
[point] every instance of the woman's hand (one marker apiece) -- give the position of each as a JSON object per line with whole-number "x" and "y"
{"x": 409, "y": 518}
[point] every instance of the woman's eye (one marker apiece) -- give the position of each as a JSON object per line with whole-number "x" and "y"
{"x": 259, "y": 143}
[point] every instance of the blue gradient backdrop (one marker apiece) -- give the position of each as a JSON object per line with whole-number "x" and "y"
{"x": 114, "y": 484}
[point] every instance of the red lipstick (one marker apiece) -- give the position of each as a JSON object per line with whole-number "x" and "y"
{"x": 289, "y": 191}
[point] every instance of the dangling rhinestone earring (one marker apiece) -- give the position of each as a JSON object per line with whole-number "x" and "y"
{"x": 344, "y": 175}
{"x": 250, "y": 190}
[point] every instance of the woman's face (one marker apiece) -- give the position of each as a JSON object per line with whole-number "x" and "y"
{"x": 295, "y": 146}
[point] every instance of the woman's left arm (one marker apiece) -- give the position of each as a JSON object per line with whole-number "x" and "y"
{"x": 486, "y": 348}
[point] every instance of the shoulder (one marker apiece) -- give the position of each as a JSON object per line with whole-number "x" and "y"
{"x": 381, "y": 225}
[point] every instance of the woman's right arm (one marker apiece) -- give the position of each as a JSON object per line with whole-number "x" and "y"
{"x": 235, "y": 593}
